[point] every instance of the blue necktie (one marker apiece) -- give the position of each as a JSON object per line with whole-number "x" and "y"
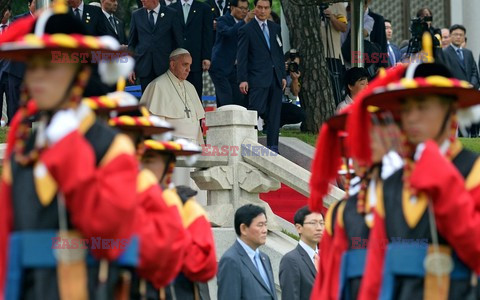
{"x": 391, "y": 56}
{"x": 460, "y": 56}
{"x": 151, "y": 19}
{"x": 261, "y": 269}
{"x": 265, "y": 33}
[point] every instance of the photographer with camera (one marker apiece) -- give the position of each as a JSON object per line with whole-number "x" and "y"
{"x": 334, "y": 23}
{"x": 423, "y": 23}
{"x": 291, "y": 112}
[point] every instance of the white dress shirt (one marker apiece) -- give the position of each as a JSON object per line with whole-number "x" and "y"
{"x": 260, "y": 24}
{"x": 250, "y": 252}
{"x": 310, "y": 252}
{"x": 80, "y": 9}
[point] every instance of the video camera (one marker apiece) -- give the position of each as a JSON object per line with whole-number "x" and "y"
{"x": 417, "y": 27}
{"x": 292, "y": 65}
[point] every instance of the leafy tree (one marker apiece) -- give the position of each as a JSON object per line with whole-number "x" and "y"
{"x": 304, "y": 24}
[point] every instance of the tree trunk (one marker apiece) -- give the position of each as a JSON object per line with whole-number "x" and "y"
{"x": 316, "y": 95}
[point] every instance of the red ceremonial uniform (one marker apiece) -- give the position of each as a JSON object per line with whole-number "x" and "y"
{"x": 162, "y": 236}
{"x": 99, "y": 190}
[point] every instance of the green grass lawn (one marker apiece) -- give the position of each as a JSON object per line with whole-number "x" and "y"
{"x": 3, "y": 134}
{"x": 310, "y": 138}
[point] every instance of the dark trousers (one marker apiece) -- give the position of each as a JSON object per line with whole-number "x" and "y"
{"x": 196, "y": 79}
{"x": 227, "y": 89}
{"x": 337, "y": 75}
{"x": 268, "y": 104}
{"x": 144, "y": 81}
{"x": 291, "y": 114}
{"x": 10, "y": 87}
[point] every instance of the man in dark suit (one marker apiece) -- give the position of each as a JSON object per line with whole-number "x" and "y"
{"x": 155, "y": 31}
{"x": 460, "y": 60}
{"x": 223, "y": 70}
{"x": 91, "y": 16}
{"x": 115, "y": 26}
{"x": 394, "y": 54}
{"x": 378, "y": 35}
{"x": 31, "y": 10}
{"x": 298, "y": 267}
{"x": 244, "y": 272}
{"x": 15, "y": 71}
{"x": 196, "y": 18}
{"x": 219, "y": 8}
{"x": 261, "y": 68}
{"x": 7, "y": 80}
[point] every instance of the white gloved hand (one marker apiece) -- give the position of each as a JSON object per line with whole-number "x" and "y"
{"x": 419, "y": 151}
{"x": 63, "y": 122}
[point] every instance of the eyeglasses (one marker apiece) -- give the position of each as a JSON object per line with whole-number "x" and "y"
{"x": 457, "y": 34}
{"x": 242, "y": 8}
{"x": 315, "y": 224}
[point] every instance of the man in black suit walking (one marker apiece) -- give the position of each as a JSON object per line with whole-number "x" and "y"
{"x": 91, "y": 16}
{"x": 115, "y": 26}
{"x": 155, "y": 31}
{"x": 261, "y": 68}
{"x": 224, "y": 54}
{"x": 298, "y": 267}
{"x": 196, "y": 18}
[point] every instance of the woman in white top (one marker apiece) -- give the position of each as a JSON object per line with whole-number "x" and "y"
{"x": 356, "y": 79}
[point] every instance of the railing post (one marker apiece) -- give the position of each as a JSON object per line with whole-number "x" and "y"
{"x": 238, "y": 183}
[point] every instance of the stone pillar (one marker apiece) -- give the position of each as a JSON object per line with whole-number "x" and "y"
{"x": 471, "y": 21}
{"x": 238, "y": 183}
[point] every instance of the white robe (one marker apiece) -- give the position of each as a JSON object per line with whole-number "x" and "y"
{"x": 167, "y": 101}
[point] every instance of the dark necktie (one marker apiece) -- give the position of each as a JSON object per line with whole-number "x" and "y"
{"x": 77, "y": 13}
{"x": 220, "y": 5}
{"x": 151, "y": 19}
{"x": 112, "y": 22}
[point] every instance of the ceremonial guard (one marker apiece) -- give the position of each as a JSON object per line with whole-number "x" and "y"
{"x": 348, "y": 222}
{"x": 71, "y": 179}
{"x": 424, "y": 241}
{"x": 158, "y": 225}
{"x": 199, "y": 262}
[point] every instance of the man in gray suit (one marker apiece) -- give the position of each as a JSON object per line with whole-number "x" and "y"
{"x": 298, "y": 267}
{"x": 245, "y": 273}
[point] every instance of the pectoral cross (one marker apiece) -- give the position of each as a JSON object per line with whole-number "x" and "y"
{"x": 187, "y": 111}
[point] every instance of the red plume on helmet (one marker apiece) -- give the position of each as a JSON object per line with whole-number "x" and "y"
{"x": 20, "y": 27}
{"x": 359, "y": 122}
{"x": 328, "y": 158}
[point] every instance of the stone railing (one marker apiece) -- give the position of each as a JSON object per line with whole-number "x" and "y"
{"x": 234, "y": 168}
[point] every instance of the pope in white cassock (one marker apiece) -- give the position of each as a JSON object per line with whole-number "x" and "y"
{"x": 174, "y": 99}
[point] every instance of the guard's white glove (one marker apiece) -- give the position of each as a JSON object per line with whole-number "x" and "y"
{"x": 63, "y": 123}
{"x": 391, "y": 162}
